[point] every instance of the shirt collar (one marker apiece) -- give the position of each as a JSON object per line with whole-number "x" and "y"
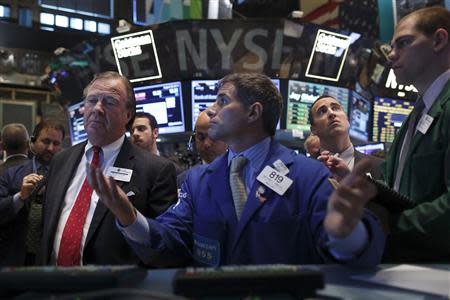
{"x": 108, "y": 150}
{"x": 255, "y": 155}
{"x": 435, "y": 89}
{"x": 348, "y": 153}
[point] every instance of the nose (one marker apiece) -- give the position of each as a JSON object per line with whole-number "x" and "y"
{"x": 51, "y": 148}
{"x": 98, "y": 105}
{"x": 392, "y": 55}
{"x": 212, "y": 111}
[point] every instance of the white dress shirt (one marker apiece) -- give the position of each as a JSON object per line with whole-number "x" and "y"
{"x": 108, "y": 156}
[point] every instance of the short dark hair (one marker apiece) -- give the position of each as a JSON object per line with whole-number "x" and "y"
{"x": 430, "y": 19}
{"x": 310, "y": 115}
{"x": 47, "y": 124}
{"x": 151, "y": 119}
{"x": 253, "y": 87}
{"x": 14, "y": 138}
{"x": 131, "y": 103}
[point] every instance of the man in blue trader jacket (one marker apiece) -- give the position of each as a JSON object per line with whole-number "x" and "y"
{"x": 279, "y": 208}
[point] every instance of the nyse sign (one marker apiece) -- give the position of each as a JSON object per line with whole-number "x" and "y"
{"x": 211, "y": 49}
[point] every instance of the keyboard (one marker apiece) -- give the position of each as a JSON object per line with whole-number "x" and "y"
{"x": 243, "y": 280}
{"x": 62, "y": 279}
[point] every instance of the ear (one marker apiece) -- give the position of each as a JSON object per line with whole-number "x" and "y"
{"x": 155, "y": 133}
{"x": 440, "y": 39}
{"x": 255, "y": 112}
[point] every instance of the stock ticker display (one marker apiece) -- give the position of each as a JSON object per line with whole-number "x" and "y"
{"x": 388, "y": 117}
{"x": 301, "y": 95}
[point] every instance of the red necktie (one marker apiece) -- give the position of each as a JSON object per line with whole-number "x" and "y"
{"x": 69, "y": 248}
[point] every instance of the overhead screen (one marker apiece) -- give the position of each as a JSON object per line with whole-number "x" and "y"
{"x": 360, "y": 112}
{"x": 203, "y": 95}
{"x": 165, "y": 102}
{"x": 76, "y": 123}
{"x": 388, "y": 116}
{"x": 301, "y": 95}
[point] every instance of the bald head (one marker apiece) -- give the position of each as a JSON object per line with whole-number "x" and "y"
{"x": 208, "y": 148}
{"x": 15, "y": 139}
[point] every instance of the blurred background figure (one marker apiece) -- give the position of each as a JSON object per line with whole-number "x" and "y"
{"x": 144, "y": 132}
{"x": 312, "y": 146}
{"x": 207, "y": 148}
{"x": 15, "y": 140}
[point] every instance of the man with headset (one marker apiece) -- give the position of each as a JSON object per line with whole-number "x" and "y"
{"x": 21, "y": 197}
{"x": 207, "y": 148}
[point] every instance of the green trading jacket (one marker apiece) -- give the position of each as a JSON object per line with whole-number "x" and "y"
{"x": 423, "y": 233}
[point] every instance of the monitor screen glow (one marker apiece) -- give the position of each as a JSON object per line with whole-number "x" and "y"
{"x": 360, "y": 112}
{"x": 301, "y": 95}
{"x": 76, "y": 123}
{"x": 388, "y": 116}
{"x": 165, "y": 102}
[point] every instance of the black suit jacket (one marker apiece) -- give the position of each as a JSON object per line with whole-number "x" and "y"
{"x": 153, "y": 184}
{"x": 12, "y": 161}
{"x": 13, "y": 227}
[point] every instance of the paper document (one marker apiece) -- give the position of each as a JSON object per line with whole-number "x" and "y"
{"x": 411, "y": 277}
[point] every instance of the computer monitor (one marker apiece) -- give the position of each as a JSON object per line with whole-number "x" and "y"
{"x": 203, "y": 95}
{"x": 360, "y": 112}
{"x": 165, "y": 102}
{"x": 388, "y": 116}
{"x": 76, "y": 123}
{"x": 370, "y": 148}
{"x": 301, "y": 95}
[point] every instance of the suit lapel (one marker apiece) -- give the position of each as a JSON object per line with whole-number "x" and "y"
{"x": 125, "y": 159}
{"x": 63, "y": 182}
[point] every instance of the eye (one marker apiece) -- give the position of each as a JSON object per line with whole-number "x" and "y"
{"x": 91, "y": 101}
{"x": 109, "y": 101}
{"x": 222, "y": 101}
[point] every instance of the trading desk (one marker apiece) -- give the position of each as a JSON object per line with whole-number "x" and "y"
{"x": 340, "y": 283}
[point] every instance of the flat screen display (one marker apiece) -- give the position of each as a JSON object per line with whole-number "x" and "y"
{"x": 360, "y": 112}
{"x": 76, "y": 123}
{"x": 165, "y": 102}
{"x": 301, "y": 95}
{"x": 388, "y": 116}
{"x": 203, "y": 95}
{"x": 370, "y": 148}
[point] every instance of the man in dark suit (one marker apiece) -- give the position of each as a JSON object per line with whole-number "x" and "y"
{"x": 15, "y": 141}
{"x": 78, "y": 228}
{"x": 330, "y": 123}
{"x": 20, "y": 207}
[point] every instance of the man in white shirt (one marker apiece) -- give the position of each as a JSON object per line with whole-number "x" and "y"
{"x": 330, "y": 123}
{"x": 78, "y": 229}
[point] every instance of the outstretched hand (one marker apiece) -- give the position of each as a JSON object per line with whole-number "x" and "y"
{"x": 111, "y": 195}
{"x": 346, "y": 204}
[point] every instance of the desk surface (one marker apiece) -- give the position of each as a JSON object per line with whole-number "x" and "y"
{"x": 338, "y": 284}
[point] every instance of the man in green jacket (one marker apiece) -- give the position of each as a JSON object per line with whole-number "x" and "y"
{"x": 418, "y": 164}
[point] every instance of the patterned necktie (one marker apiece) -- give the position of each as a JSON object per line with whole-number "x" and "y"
{"x": 237, "y": 185}
{"x": 34, "y": 230}
{"x": 413, "y": 120}
{"x": 69, "y": 249}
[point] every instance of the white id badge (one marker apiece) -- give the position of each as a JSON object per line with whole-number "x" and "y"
{"x": 273, "y": 179}
{"x": 424, "y": 123}
{"x": 120, "y": 174}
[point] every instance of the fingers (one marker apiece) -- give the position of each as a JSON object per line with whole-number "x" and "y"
{"x": 29, "y": 182}
{"x": 347, "y": 202}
